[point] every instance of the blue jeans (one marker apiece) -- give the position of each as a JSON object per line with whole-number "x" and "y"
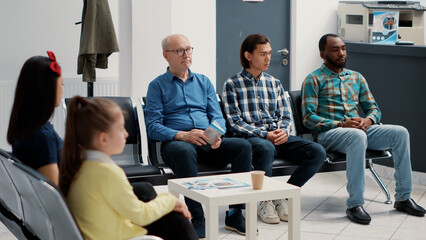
{"x": 354, "y": 143}
{"x": 183, "y": 157}
{"x": 309, "y": 155}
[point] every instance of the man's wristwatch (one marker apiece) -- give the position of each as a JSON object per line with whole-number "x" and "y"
{"x": 340, "y": 124}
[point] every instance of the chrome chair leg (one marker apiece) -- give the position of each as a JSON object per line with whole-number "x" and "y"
{"x": 379, "y": 182}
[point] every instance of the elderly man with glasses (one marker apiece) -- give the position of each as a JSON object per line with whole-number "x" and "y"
{"x": 180, "y": 107}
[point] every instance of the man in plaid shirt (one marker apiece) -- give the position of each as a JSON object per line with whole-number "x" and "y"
{"x": 256, "y": 109}
{"x": 330, "y": 99}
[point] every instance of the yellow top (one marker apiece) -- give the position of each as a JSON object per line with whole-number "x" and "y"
{"x": 104, "y": 205}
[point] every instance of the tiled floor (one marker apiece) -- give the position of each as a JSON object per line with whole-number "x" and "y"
{"x": 5, "y": 234}
{"x": 324, "y": 218}
{"x": 323, "y": 214}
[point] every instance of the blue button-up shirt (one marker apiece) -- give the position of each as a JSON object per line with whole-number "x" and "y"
{"x": 173, "y": 105}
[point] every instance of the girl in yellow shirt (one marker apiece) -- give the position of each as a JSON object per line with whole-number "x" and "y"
{"x": 97, "y": 190}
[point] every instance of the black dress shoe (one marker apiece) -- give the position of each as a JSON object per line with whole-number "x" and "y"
{"x": 410, "y": 207}
{"x": 359, "y": 215}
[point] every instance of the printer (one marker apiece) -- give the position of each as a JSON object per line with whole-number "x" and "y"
{"x": 355, "y": 20}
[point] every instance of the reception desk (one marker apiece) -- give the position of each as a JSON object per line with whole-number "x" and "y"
{"x": 397, "y": 78}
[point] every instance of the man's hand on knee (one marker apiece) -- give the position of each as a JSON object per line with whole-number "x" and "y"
{"x": 195, "y": 136}
{"x": 277, "y": 137}
{"x": 358, "y": 122}
{"x": 352, "y": 123}
{"x": 217, "y": 144}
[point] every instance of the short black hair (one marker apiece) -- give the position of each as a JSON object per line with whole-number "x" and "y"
{"x": 249, "y": 44}
{"x": 323, "y": 40}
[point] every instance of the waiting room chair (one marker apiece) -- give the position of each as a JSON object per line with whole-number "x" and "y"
{"x": 131, "y": 159}
{"x": 9, "y": 196}
{"x": 35, "y": 218}
{"x": 336, "y": 160}
{"x": 63, "y": 224}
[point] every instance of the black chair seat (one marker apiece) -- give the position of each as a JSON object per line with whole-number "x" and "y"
{"x": 211, "y": 169}
{"x": 370, "y": 154}
{"x": 279, "y": 162}
{"x": 141, "y": 170}
{"x": 145, "y": 173}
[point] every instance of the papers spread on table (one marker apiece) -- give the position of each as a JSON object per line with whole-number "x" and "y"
{"x": 219, "y": 183}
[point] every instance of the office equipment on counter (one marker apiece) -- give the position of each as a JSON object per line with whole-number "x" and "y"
{"x": 355, "y": 20}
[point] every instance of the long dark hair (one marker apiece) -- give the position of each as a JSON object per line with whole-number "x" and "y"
{"x": 84, "y": 119}
{"x": 35, "y": 98}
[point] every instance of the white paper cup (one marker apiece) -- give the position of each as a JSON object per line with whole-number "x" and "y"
{"x": 257, "y": 179}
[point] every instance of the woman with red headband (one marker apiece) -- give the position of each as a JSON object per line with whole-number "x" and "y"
{"x": 38, "y": 92}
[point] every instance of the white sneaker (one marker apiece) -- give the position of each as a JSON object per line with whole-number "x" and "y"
{"x": 281, "y": 206}
{"x": 267, "y": 213}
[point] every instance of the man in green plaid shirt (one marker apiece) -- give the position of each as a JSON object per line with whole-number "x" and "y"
{"x": 330, "y": 99}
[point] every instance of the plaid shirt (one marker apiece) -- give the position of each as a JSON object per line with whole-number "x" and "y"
{"x": 329, "y": 98}
{"x": 253, "y": 108}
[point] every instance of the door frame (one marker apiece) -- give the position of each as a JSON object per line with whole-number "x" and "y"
{"x": 293, "y": 42}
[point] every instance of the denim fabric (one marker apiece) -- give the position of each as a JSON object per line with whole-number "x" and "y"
{"x": 308, "y": 154}
{"x": 354, "y": 143}
{"x": 184, "y": 157}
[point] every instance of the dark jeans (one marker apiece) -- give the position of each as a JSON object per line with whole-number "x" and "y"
{"x": 171, "y": 226}
{"x": 309, "y": 155}
{"x": 183, "y": 157}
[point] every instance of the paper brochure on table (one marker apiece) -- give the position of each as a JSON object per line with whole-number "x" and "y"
{"x": 219, "y": 183}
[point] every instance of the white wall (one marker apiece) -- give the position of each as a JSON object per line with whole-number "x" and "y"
{"x": 154, "y": 20}
{"x": 30, "y": 28}
{"x": 310, "y": 20}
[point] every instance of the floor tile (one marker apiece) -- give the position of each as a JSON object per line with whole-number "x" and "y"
{"x": 327, "y": 216}
{"x": 360, "y": 231}
{"x": 323, "y": 226}
{"x": 310, "y": 236}
{"x": 350, "y": 237}
{"x": 7, "y": 236}
{"x": 410, "y": 231}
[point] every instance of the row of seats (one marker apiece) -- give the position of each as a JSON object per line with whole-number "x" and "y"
{"x": 152, "y": 169}
{"x": 39, "y": 207}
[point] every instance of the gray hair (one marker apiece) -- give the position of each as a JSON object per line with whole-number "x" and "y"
{"x": 165, "y": 43}
{"x": 166, "y": 40}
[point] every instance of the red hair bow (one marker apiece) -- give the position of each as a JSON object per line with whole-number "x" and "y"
{"x": 54, "y": 64}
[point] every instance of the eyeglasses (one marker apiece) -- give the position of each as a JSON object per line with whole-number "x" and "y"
{"x": 180, "y": 52}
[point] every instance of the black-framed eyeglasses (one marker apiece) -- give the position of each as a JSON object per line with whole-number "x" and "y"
{"x": 180, "y": 52}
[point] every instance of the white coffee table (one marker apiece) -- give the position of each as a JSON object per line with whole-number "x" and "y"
{"x": 213, "y": 198}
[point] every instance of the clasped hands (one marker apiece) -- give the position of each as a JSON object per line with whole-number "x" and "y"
{"x": 277, "y": 137}
{"x": 358, "y": 122}
{"x": 197, "y": 137}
